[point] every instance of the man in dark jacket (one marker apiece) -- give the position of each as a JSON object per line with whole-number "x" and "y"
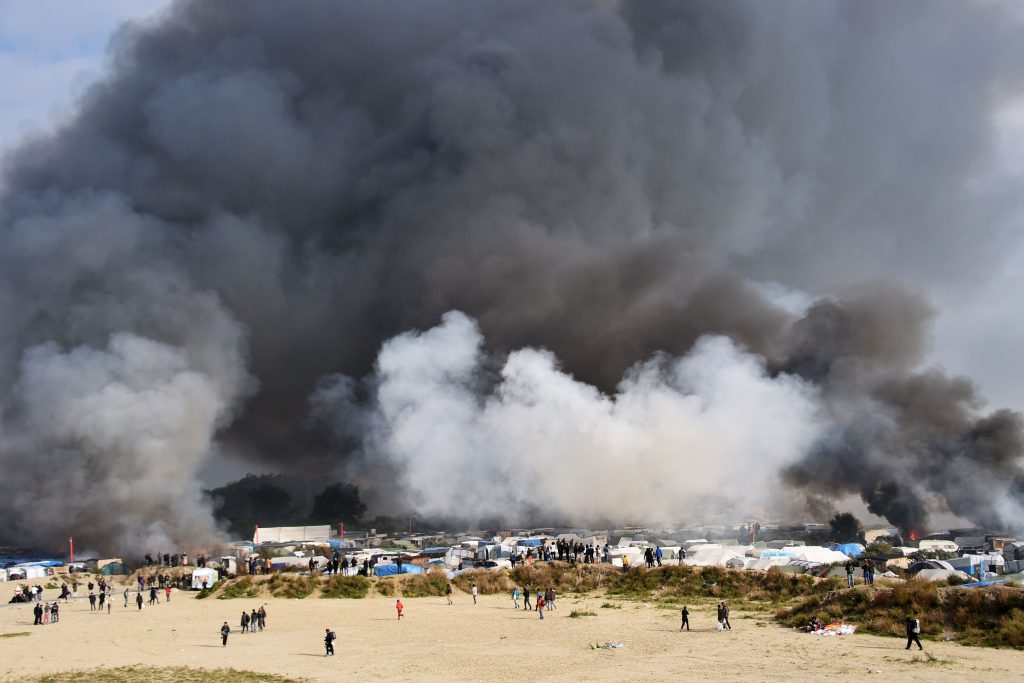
{"x": 913, "y": 631}
{"x": 329, "y": 642}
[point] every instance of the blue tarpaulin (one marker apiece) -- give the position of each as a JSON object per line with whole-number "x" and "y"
{"x": 851, "y": 549}
{"x": 530, "y": 542}
{"x": 392, "y": 569}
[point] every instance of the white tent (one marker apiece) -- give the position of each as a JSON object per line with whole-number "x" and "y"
{"x": 293, "y": 534}
{"x": 817, "y": 554}
{"x": 939, "y": 575}
{"x": 717, "y": 556}
{"x": 203, "y": 575}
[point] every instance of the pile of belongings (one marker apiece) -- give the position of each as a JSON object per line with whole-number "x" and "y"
{"x": 837, "y": 628}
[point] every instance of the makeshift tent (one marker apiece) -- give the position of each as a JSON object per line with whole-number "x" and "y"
{"x": 392, "y": 569}
{"x": 716, "y": 556}
{"x": 940, "y": 575}
{"x": 28, "y": 571}
{"x": 113, "y": 569}
{"x": 850, "y": 549}
{"x": 203, "y": 575}
{"x": 819, "y": 555}
{"x": 929, "y": 564}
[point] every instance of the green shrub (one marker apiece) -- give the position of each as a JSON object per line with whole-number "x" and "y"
{"x": 385, "y": 586}
{"x": 244, "y": 587}
{"x": 488, "y": 582}
{"x": 352, "y": 587}
{"x": 430, "y": 584}
{"x": 292, "y": 586}
{"x": 576, "y": 614}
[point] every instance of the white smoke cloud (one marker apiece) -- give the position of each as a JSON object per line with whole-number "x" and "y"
{"x": 536, "y": 438}
{"x": 119, "y": 434}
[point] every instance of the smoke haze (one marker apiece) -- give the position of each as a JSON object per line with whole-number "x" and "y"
{"x": 259, "y": 197}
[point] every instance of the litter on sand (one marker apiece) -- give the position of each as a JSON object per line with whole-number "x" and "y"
{"x": 835, "y": 629}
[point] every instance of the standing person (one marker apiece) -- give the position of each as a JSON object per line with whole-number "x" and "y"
{"x": 658, "y": 554}
{"x": 138, "y": 600}
{"x": 721, "y": 617}
{"x": 244, "y": 622}
{"x": 224, "y": 631}
{"x": 725, "y": 616}
{"x": 152, "y": 595}
{"x": 849, "y": 574}
{"x": 103, "y": 597}
{"x": 448, "y": 593}
{"x": 515, "y": 596}
{"x": 167, "y": 592}
{"x": 540, "y": 596}
{"x": 398, "y": 608}
{"x": 540, "y": 605}
{"x": 254, "y": 620}
{"x": 38, "y": 611}
{"x": 329, "y": 643}
{"x": 526, "y": 598}
{"x": 54, "y": 615}
{"x": 913, "y": 631}
{"x": 126, "y": 596}
{"x": 549, "y": 599}
{"x": 686, "y": 619}
{"x": 262, "y": 614}
{"x": 473, "y": 592}
{"x": 92, "y": 601}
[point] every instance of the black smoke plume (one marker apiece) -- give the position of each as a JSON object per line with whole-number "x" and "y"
{"x": 258, "y": 195}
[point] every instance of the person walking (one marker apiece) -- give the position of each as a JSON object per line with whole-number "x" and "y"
{"x": 262, "y": 614}
{"x": 329, "y": 643}
{"x": 448, "y": 593}
{"x": 244, "y": 623}
{"x": 686, "y": 619}
{"x": 515, "y": 596}
{"x": 473, "y": 592}
{"x": 725, "y": 616}
{"x": 913, "y": 631}
{"x": 526, "y": 598}
{"x": 138, "y": 600}
{"x": 224, "y": 631}
{"x": 540, "y": 595}
{"x": 398, "y": 608}
{"x": 540, "y": 606}
{"x": 254, "y": 620}
{"x": 126, "y": 597}
{"x": 721, "y": 617}
{"x": 167, "y": 592}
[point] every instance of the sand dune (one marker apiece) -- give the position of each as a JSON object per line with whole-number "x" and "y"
{"x": 466, "y": 642}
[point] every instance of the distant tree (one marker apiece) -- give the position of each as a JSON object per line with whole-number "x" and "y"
{"x": 879, "y": 548}
{"x": 252, "y": 500}
{"x": 845, "y": 528}
{"x": 337, "y": 503}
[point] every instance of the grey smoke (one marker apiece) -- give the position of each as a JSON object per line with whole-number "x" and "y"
{"x": 268, "y": 194}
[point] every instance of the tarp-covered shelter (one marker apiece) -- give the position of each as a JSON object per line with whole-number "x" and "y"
{"x": 203, "y": 575}
{"x": 393, "y": 569}
{"x": 850, "y": 549}
{"x": 114, "y": 569}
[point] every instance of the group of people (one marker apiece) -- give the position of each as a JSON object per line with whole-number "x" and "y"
{"x": 545, "y": 599}
{"x": 652, "y": 556}
{"x": 257, "y": 620}
{"x": 46, "y": 613}
{"x": 867, "y": 568}
{"x": 175, "y": 560}
{"x": 27, "y": 594}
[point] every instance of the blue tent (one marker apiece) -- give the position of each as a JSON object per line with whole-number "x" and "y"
{"x": 851, "y": 549}
{"x": 392, "y": 569}
{"x": 534, "y": 542}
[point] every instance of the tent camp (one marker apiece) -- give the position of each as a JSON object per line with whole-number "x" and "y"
{"x": 392, "y": 569}
{"x": 716, "y": 556}
{"x": 203, "y": 575}
{"x": 850, "y": 549}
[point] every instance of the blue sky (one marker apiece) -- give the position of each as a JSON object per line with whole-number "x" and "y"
{"x": 49, "y": 51}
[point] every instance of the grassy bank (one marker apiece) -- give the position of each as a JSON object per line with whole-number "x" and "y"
{"x": 991, "y": 616}
{"x": 152, "y": 674}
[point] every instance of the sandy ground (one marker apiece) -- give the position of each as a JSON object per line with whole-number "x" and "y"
{"x": 472, "y": 642}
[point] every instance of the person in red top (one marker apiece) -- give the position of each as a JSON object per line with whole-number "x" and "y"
{"x": 540, "y": 606}
{"x": 399, "y": 607}
{"x": 167, "y": 592}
